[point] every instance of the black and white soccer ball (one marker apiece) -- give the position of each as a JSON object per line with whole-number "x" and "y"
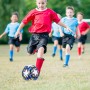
{"x": 30, "y": 72}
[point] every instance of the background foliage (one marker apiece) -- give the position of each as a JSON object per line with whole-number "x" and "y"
{"x": 23, "y": 6}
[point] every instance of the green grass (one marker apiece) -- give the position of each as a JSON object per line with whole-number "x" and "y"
{"x": 53, "y": 76}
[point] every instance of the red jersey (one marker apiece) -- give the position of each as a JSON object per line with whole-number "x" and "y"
{"x": 41, "y": 20}
{"x": 83, "y": 26}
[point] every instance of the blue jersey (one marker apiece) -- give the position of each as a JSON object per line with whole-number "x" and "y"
{"x": 55, "y": 29}
{"x": 11, "y": 29}
{"x": 72, "y": 23}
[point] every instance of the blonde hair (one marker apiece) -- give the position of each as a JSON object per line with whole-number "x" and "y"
{"x": 45, "y": 0}
{"x": 70, "y": 7}
{"x": 59, "y": 15}
{"x": 80, "y": 13}
{"x": 15, "y": 13}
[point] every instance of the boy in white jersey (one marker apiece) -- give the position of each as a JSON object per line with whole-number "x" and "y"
{"x": 11, "y": 29}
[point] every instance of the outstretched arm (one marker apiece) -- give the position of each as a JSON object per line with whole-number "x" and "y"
{"x": 20, "y": 36}
{"x": 19, "y": 28}
{"x": 50, "y": 34}
{"x": 84, "y": 33}
{"x": 62, "y": 24}
{"x": 4, "y": 33}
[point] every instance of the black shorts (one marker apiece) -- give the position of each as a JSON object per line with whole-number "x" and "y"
{"x": 14, "y": 41}
{"x": 82, "y": 39}
{"x": 37, "y": 41}
{"x": 68, "y": 39}
{"x": 59, "y": 39}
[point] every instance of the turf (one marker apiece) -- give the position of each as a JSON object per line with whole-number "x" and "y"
{"x": 53, "y": 75}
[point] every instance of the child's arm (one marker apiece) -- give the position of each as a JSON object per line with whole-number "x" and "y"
{"x": 63, "y": 25}
{"x": 61, "y": 33}
{"x": 20, "y": 36}
{"x": 19, "y": 28}
{"x": 50, "y": 34}
{"x": 78, "y": 34}
{"x": 85, "y": 32}
{"x": 4, "y": 33}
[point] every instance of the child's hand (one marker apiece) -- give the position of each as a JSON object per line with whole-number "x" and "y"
{"x": 17, "y": 34}
{"x": 50, "y": 34}
{"x": 0, "y": 36}
{"x": 78, "y": 36}
{"x": 20, "y": 38}
{"x": 69, "y": 29}
{"x": 75, "y": 36}
{"x": 83, "y": 33}
{"x": 62, "y": 34}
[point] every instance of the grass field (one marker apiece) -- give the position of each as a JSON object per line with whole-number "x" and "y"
{"x": 53, "y": 76}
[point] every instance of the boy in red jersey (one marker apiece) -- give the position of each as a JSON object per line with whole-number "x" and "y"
{"x": 41, "y": 18}
{"x": 82, "y": 31}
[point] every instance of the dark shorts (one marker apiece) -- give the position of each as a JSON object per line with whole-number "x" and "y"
{"x": 68, "y": 39}
{"x": 82, "y": 39}
{"x": 14, "y": 41}
{"x": 59, "y": 39}
{"x": 37, "y": 41}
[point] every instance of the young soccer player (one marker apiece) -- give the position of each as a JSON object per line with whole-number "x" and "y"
{"x": 11, "y": 30}
{"x": 56, "y": 38}
{"x": 41, "y": 18}
{"x": 69, "y": 36}
{"x": 83, "y": 29}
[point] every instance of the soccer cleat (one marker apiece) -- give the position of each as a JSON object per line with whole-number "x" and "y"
{"x": 61, "y": 59}
{"x": 82, "y": 52}
{"x": 11, "y": 59}
{"x": 65, "y": 65}
{"x": 53, "y": 55}
{"x": 34, "y": 51}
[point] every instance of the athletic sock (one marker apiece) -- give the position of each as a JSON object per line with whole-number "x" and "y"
{"x": 39, "y": 63}
{"x": 11, "y": 54}
{"x": 54, "y": 49}
{"x": 60, "y": 53}
{"x": 79, "y": 51}
{"x": 67, "y": 59}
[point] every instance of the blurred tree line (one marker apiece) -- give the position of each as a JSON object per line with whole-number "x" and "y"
{"x": 23, "y": 6}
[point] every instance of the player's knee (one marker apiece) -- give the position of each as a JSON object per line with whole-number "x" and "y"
{"x": 29, "y": 51}
{"x": 17, "y": 50}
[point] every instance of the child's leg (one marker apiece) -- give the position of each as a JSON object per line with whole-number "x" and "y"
{"x": 82, "y": 48}
{"x": 55, "y": 47}
{"x": 11, "y": 52}
{"x": 67, "y": 56}
{"x": 60, "y": 52}
{"x": 17, "y": 49}
{"x": 79, "y": 49}
{"x": 40, "y": 58}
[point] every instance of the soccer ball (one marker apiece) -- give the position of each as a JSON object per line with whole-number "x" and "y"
{"x": 30, "y": 72}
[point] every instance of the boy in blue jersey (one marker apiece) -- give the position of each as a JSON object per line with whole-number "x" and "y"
{"x": 56, "y": 38}
{"x": 11, "y": 29}
{"x": 69, "y": 36}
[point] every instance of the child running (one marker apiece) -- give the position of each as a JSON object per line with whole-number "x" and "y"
{"x": 83, "y": 29}
{"x": 41, "y": 18}
{"x": 69, "y": 36}
{"x": 11, "y": 29}
{"x": 56, "y": 38}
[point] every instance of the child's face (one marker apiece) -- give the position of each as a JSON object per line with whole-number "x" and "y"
{"x": 69, "y": 13}
{"x": 79, "y": 17}
{"x": 14, "y": 18}
{"x": 41, "y": 4}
